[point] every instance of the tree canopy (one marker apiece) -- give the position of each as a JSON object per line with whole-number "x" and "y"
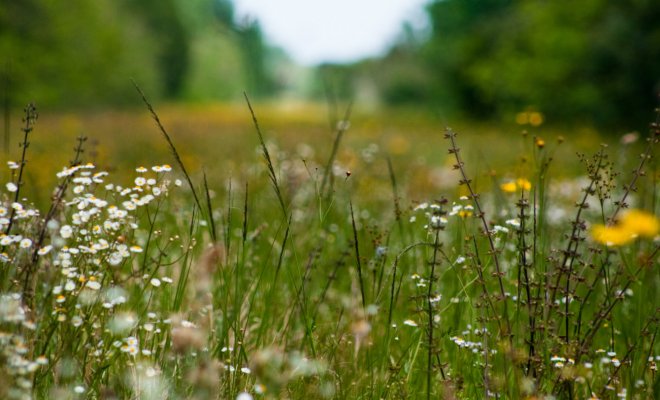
{"x": 594, "y": 60}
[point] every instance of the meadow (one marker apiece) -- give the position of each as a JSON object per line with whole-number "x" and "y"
{"x": 287, "y": 251}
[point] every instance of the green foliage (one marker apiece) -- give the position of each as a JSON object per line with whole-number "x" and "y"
{"x": 594, "y": 59}
{"x": 163, "y": 20}
{"x": 74, "y": 53}
{"x": 86, "y": 53}
{"x": 214, "y": 59}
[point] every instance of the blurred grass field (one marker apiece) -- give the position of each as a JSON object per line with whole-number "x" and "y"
{"x": 221, "y": 140}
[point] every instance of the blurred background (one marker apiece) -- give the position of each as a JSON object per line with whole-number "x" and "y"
{"x": 588, "y": 62}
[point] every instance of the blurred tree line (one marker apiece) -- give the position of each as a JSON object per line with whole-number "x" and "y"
{"x": 590, "y": 60}
{"x": 82, "y": 52}
{"x": 594, "y": 61}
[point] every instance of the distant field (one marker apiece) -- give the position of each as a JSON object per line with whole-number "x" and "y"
{"x": 221, "y": 139}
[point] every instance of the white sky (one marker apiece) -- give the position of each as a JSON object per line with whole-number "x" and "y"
{"x": 314, "y": 31}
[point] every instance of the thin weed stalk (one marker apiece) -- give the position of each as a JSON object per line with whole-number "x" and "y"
{"x": 431, "y": 316}
{"x": 269, "y": 162}
{"x": 451, "y": 135}
{"x": 209, "y": 210}
{"x": 171, "y": 145}
{"x": 29, "y": 120}
{"x": 54, "y": 207}
{"x": 342, "y": 128}
{"x": 358, "y": 260}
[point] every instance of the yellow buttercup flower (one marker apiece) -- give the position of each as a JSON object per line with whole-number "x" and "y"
{"x": 524, "y": 184}
{"x": 535, "y": 118}
{"x": 514, "y": 186}
{"x": 641, "y": 223}
{"x": 633, "y": 224}
{"x": 464, "y": 213}
{"x": 611, "y": 235}
{"x": 509, "y": 187}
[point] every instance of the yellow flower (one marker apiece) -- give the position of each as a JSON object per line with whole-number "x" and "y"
{"x": 535, "y": 118}
{"x": 611, "y": 235}
{"x": 514, "y": 186}
{"x": 509, "y": 187}
{"x": 634, "y": 223}
{"x": 522, "y": 118}
{"x": 540, "y": 143}
{"x": 524, "y": 184}
{"x": 464, "y": 214}
{"x": 641, "y": 223}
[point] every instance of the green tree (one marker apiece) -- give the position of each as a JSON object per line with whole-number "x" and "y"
{"x": 74, "y": 53}
{"x": 163, "y": 19}
{"x": 255, "y": 57}
{"x": 590, "y": 60}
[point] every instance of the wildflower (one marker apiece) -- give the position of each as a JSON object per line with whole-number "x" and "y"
{"x": 155, "y": 282}
{"x": 633, "y": 224}
{"x": 244, "y": 396}
{"x": 69, "y": 286}
{"x": 140, "y": 181}
{"x": 535, "y": 118}
{"x": 44, "y": 250}
{"x": 115, "y": 259}
{"x": 611, "y": 236}
{"x": 465, "y": 213}
{"x": 540, "y": 143}
{"x": 66, "y": 231}
{"x": 508, "y": 187}
{"x": 11, "y": 187}
{"x": 141, "y": 170}
{"x": 161, "y": 168}
{"x": 94, "y": 285}
{"x": 25, "y": 243}
{"x": 641, "y": 223}
{"x": 410, "y": 322}
{"x": 523, "y": 184}
{"x": 515, "y": 186}
{"x": 500, "y": 229}
{"x": 76, "y": 321}
{"x": 629, "y": 138}
{"x": 438, "y": 221}
{"x": 515, "y": 222}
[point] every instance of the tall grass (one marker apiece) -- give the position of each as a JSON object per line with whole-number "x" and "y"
{"x": 319, "y": 280}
